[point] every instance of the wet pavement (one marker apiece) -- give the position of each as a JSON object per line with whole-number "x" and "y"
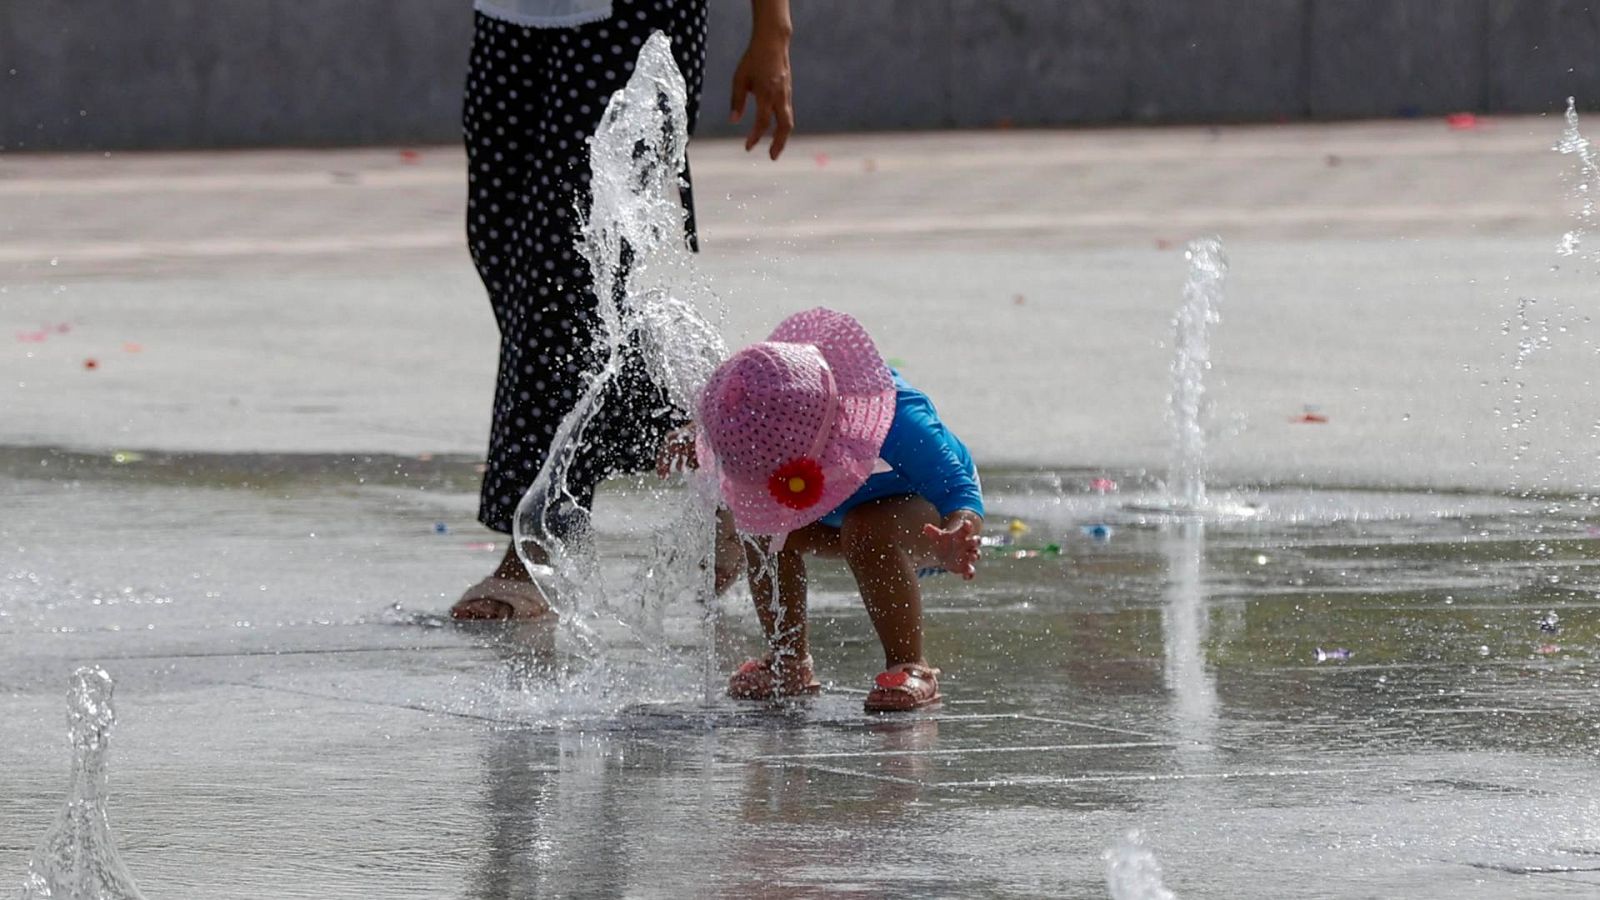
{"x": 254, "y": 509}
{"x": 1163, "y": 676}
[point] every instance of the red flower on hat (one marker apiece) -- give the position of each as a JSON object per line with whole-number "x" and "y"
{"x": 797, "y": 483}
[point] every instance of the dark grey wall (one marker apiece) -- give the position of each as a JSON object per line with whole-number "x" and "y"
{"x": 93, "y": 74}
{"x": 208, "y": 73}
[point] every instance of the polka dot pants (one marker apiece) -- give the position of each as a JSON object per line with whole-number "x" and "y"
{"x": 533, "y": 98}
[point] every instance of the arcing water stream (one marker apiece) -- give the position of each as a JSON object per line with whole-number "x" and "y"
{"x": 648, "y": 297}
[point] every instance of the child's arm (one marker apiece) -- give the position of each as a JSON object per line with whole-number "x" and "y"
{"x": 924, "y": 452}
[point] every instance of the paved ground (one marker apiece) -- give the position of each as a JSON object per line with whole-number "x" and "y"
{"x": 236, "y": 512}
{"x": 1020, "y": 277}
{"x": 287, "y": 733}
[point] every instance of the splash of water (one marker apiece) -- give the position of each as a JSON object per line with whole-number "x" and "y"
{"x": 1132, "y": 871}
{"x": 1533, "y": 337}
{"x": 1185, "y": 623}
{"x": 1536, "y": 334}
{"x": 1191, "y": 326}
{"x": 1585, "y": 185}
{"x": 1585, "y": 188}
{"x": 648, "y": 294}
{"x": 78, "y": 860}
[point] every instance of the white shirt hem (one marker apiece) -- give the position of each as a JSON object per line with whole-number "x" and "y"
{"x": 532, "y": 21}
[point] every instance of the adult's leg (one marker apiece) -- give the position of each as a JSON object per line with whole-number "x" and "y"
{"x": 635, "y": 415}
{"x": 508, "y": 160}
{"x": 504, "y": 97}
{"x": 534, "y": 99}
{"x": 546, "y": 92}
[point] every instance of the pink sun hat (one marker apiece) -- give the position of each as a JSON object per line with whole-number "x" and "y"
{"x": 793, "y": 425}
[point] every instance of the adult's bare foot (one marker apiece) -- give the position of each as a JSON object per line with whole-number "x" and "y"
{"x": 508, "y": 593}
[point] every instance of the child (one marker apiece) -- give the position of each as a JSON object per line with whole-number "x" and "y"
{"x": 820, "y": 448}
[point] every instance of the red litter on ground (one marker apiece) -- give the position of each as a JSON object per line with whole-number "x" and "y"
{"x": 410, "y": 156}
{"x": 1309, "y": 416}
{"x": 821, "y": 160}
{"x": 1461, "y": 121}
{"x": 131, "y": 347}
{"x": 63, "y": 327}
{"x": 91, "y": 363}
{"x": 32, "y": 337}
{"x": 1102, "y": 485}
{"x": 1018, "y": 299}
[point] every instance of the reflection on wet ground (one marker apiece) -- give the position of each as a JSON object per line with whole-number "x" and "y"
{"x": 298, "y": 722}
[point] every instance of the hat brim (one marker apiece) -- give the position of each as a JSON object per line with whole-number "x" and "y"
{"x": 867, "y": 399}
{"x": 847, "y": 461}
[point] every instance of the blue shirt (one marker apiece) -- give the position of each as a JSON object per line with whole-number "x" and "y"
{"x": 923, "y": 457}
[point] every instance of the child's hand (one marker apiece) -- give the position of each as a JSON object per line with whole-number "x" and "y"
{"x": 956, "y": 546}
{"x": 677, "y": 452}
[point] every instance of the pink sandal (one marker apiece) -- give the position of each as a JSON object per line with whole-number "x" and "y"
{"x": 904, "y": 687}
{"x": 757, "y": 679}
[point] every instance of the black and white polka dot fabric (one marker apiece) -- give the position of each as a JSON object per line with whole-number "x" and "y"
{"x": 533, "y": 98}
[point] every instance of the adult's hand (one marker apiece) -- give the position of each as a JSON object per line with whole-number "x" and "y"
{"x": 764, "y": 72}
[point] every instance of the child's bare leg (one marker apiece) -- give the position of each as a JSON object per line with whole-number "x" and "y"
{"x": 779, "y": 587}
{"x": 728, "y": 553}
{"x": 884, "y": 545}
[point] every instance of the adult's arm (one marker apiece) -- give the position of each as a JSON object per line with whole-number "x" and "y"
{"x": 764, "y": 73}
